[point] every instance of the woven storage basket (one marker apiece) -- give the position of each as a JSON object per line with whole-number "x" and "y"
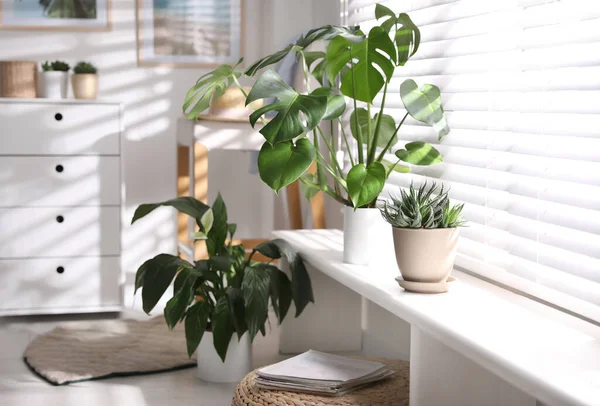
{"x": 390, "y": 392}
{"x": 18, "y": 79}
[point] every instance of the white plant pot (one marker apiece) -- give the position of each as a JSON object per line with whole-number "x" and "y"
{"x": 54, "y": 85}
{"x": 367, "y": 236}
{"x": 425, "y": 255}
{"x": 238, "y": 362}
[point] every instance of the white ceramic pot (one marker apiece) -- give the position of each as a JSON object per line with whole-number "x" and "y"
{"x": 85, "y": 85}
{"x": 54, "y": 85}
{"x": 367, "y": 236}
{"x": 425, "y": 255}
{"x": 238, "y": 362}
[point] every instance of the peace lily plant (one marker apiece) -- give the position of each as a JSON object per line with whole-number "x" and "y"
{"x": 356, "y": 65}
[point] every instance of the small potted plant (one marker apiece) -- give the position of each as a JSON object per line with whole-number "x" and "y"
{"x": 425, "y": 230}
{"x": 222, "y": 300}
{"x": 85, "y": 81}
{"x": 55, "y": 80}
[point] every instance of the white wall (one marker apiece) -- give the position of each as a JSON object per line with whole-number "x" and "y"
{"x": 153, "y": 98}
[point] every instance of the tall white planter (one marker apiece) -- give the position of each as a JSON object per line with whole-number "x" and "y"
{"x": 54, "y": 85}
{"x": 367, "y": 236}
{"x": 238, "y": 362}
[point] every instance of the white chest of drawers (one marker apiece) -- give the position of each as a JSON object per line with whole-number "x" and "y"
{"x": 60, "y": 207}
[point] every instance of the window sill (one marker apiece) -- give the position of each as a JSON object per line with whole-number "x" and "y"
{"x": 548, "y": 354}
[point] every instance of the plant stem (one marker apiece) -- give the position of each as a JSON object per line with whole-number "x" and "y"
{"x": 392, "y": 168}
{"x": 333, "y": 156}
{"x": 305, "y": 70}
{"x": 320, "y": 175}
{"x": 389, "y": 144}
{"x": 373, "y": 149}
{"x": 331, "y": 152}
{"x": 369, "y": 132}
{"x": 341, "y": 181}
{"x": 361, "y": 158}
{"x": 238, "y": 84}
{"x": 346, "y": 141}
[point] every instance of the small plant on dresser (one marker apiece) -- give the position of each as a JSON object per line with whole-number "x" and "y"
{"x": 85, "y": 81}
{"x": 54, "y": 80}
{"x": 224, "y": 295}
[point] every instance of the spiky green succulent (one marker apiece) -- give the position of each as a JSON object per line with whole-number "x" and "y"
{"x": 60, "y": 66}
{"x": 422, "y": 208}
{"x": 85, "y": 67}
{"x": 47, "y": 67}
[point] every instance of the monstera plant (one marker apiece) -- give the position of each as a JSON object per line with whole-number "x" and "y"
{"x": 356, "y": 68}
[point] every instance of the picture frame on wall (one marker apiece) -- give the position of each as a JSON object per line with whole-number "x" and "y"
{"x": 190, "y": 33}
{"x": 64, "y": 15}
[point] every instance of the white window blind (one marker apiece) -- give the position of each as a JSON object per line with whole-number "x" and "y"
{"x": 520, "y": 82}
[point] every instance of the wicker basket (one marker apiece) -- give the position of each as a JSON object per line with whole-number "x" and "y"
{"x": 18, "y": 79}
{"x": 390, "y": 392}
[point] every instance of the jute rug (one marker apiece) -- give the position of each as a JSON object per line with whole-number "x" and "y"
{"x": 105, "y": 349}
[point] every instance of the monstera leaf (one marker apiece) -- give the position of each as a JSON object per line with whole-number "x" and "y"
{"x": 386, "y": 131}
{"x": 419, "y": 153}
{"x": 212, "y": 84}
{"x": 283, "y": 163}
{"x": 407, "y": 37}
{"x": 327, "y": 32}
{"x": 289, "y": 122}
{"x": 364, "y": 80}
{"x": 336, "y": 103}
{"x": 425, "y": 105}
{"x": 365, "y": 183}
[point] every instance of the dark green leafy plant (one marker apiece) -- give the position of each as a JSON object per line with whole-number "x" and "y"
{"x": 356, "y": 65}
{"x": 47, "y": 67}
{"x": 227, "y": 293}
{"x": 422, "y": 208}
{"x": 60, "y": 66}
{"x": 85, "y": 68}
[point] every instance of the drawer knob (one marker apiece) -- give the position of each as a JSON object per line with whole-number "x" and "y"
{"x": 60, "y": 219}
{"x": 58, "y": 116}
{"x": 59, "y": 168}
{"x": 60, "y": 269}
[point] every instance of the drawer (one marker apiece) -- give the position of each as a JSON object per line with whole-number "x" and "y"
{"x": 59, "y": 232}
{"x": 59, "y": 283}
{"x": 60, "y": 181}
{"x": 59, "y": 129}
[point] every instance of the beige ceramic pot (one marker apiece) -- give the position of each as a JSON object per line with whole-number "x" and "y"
{"x": 425, "y": 255}
{"x": 85, "y": 85}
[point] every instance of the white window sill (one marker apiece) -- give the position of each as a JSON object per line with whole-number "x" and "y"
{"x": 548, "y": 354}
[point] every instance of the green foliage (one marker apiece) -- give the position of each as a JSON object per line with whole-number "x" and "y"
{"x": 60, "y": 66}
{"x": 47, "y": 67}
{"x": 422, "y": 209}
{"x": 227, "y": 293}
{"x": 85, "y": 68}
{"x": 303, "y": 120}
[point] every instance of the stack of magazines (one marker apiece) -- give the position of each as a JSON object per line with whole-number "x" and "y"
{"x": 319, "y": 373}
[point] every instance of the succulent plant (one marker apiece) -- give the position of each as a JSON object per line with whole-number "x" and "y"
{"x": 422, "y": 208}
{"x": 47, "y": 67}
{"x": 84, "y": 67}
{"x": 60, "y": 66}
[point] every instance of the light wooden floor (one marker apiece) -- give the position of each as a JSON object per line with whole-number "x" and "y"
{"x": 19, "y": 387}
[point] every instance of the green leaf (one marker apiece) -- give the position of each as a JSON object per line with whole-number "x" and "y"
{"x": 386, "y": 131}
{"x": 231, "y": 228}
{"x": 309, "y": 185}
{"x": 425, "y": 105}
{"x": 365, "y": 183}
{"x": 255, "y": 289}
{"x": 302, "y": 292}
{"x": 208, "y": 86}
{"x": 183, "y": 295}
{"x": 269, "y": 60}
{"x": 406, "y": 23}
{"x": 215, "y": 242}
{"x": 280, "y": 291}
{"x": 407, "y": 39}
{"x": 187, "y": 205}
{"x": 336, "y": 103}
{"x": 419, "y": 153}
{"x": 296, "y": 113}
{"x": 206, "y": 221}
{"x": 199, "y": 235}
{"x": 382, "y": 11}
{"x": 222, "y": 326}
{"x": 375, "y": 53}
{"x": 283, "y": 163}
{"x": 269, "y": 249}
{"x": 395, "y": 167}
{"x": 221, "y": 263}
{"x": 158, "y": 273}
{"x": 238, "y": 310}
{"x": 196, "y": 320}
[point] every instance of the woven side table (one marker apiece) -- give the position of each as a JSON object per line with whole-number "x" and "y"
{"x": 390, "y": 392}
